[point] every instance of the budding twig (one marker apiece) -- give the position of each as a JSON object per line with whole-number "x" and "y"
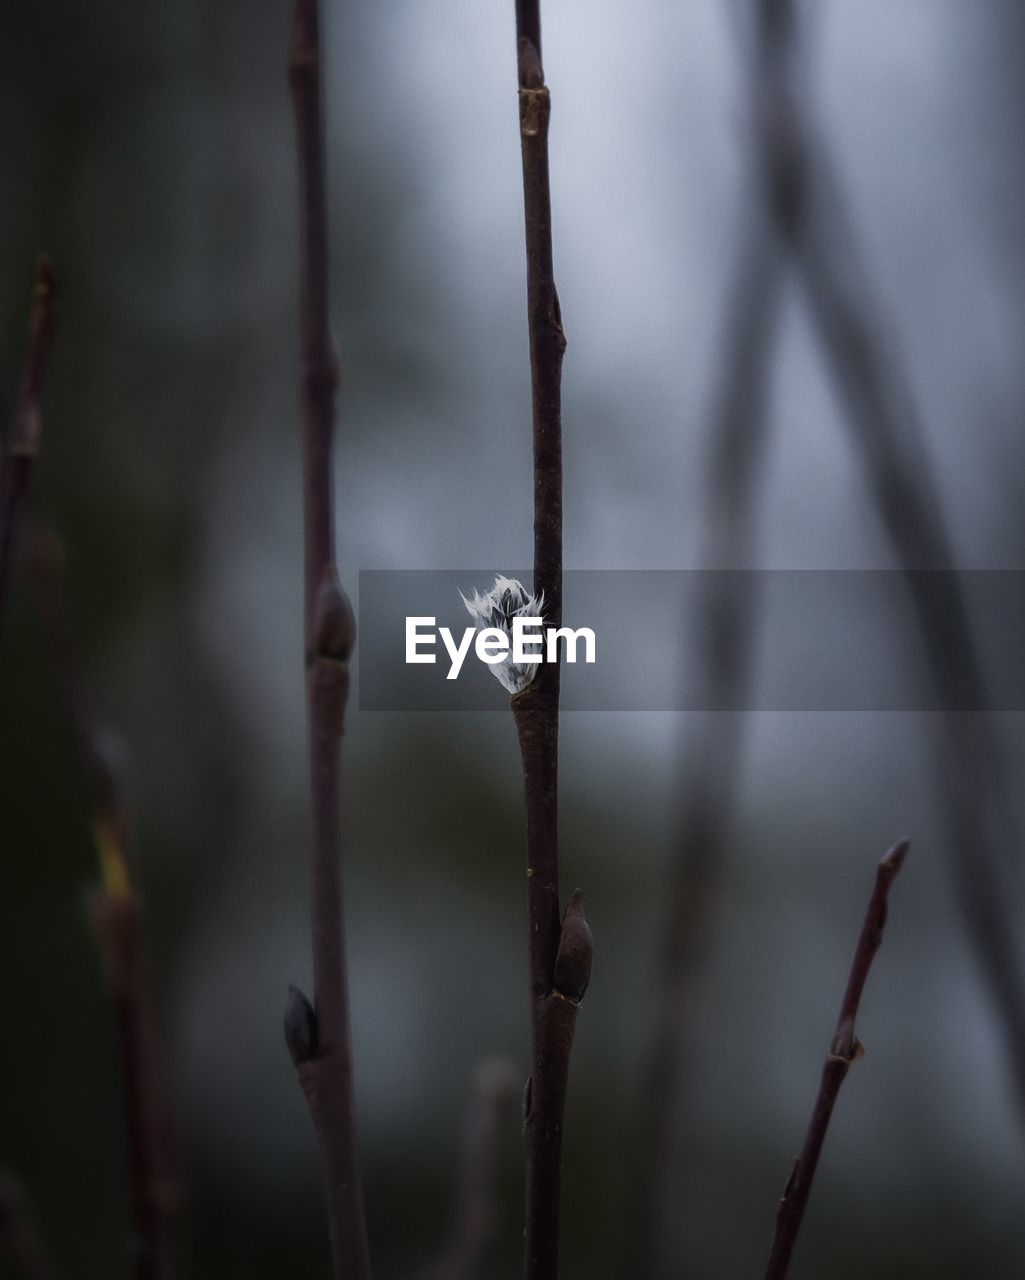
{"x": 536, "y": 709}
{"x": 844, "y": 1051}
{"x": 117, "y": 917}
{"x": 710, "y": 761}
{"x": 22, "y": 443}
{"x": 494, "y": 1089}
{"x": 318, "y": 1035}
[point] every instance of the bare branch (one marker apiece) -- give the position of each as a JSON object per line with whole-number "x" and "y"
{"x": 323, "y": 1050}
{"x": 494, "y": 1088}
{"x": 844, "y": 1051}
{"x": 117, "y": 918}
{"x": 536, "y": 709}
{"x": 22, "y": 443}
{"x": 709, "y": 770}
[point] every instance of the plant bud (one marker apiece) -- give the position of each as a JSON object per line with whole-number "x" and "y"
{"x": 576, "y": 947}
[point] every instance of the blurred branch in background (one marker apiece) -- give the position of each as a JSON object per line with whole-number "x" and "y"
{"x": 18, "y": 1239}
{"x": 810, "y": 215}
{"x": 22, "y": 444}
{"x": 319, "y": 1037}
{"x": 494, "y": 1090}
{"x": 117, "y": 918}
{"x": 844, "y": 1051}
{"x": 810, "y": 222}
{"x": 723, "y": 631}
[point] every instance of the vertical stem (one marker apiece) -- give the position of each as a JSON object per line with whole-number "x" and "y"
{"x": 118, "y": 920}
{"x": 156, "y": 1198}
{"x": 493, "y": 1094}
{"x": 844, "y": 1051}
{"x": 536, "y": 709}
{"x": 725, "y": 612}
{"x": 322, "y": 1045}
{"x": 23, "y": 439}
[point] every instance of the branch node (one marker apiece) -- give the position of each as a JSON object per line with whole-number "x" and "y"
{"x": 535, "y": 111}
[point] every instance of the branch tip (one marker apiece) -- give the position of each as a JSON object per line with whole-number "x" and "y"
{"x": 893, "y": 860}
{"x": 304, "y": 52}
{"x": 44, "y": 278}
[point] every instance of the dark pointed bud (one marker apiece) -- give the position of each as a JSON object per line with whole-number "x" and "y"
{"x": 300, "y": 1027}
{"x": 531, "y": 75}
{"x": 44, "y": 282}
{"x": 576, "y": 947}
{"x": 334, "y": 627}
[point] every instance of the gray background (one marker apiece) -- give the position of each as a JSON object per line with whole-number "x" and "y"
{"x": 151, "y": 152}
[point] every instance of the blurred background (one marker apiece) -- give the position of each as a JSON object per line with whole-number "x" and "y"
{"x": 151, "y": 153}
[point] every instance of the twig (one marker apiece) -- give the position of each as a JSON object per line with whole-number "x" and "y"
{"x": 554, "y": 997}
{"x": 23, "y": 440}
{"x": 319, "y": 1036}
{"x": 117, "y": 918}
{"x": 724, "y": 611}
{"x": 494, "y": 1089}
{"x": 844, "y": 1051}
{"x": 17, "y": 1234}
{"x": 710, "y": 762}
{"x": 812, "y": 221}
{"x": 544, "y": 1101}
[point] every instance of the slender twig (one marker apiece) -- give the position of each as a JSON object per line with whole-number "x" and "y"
{"x": 724, "y": 610}
{"x": 18, "y": 1238}
{"x": 813, "y": 224}
{"x": 536, "y": 709}
{"x": 22, "y": 443}
{"x": 844, "y": 1051}
{"x": 117, "y": 917}
{"x": 493, "y": 1090}
{"x": 319, "y": 1036}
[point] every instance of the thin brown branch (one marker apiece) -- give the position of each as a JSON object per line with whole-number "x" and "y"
{"x": 156, "y": 1198}
{"x": 544, "y": 1102}
{"x": 319, "y": 1036}
{"x": 844, "y": 1051}
{"x": 118, "y": 920}
{"x": 536, "y": 709}
{"x": 18, "y": 1238}
{"x": 22, "y": 443}
{"x": 494, "y": 1089}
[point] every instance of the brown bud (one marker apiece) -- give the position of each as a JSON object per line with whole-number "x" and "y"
{"x": 300, "y": 1027}
{"x": 334, "y": 627}
{"x": 531, "y": 75}
{"x": 576, "y": 947}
